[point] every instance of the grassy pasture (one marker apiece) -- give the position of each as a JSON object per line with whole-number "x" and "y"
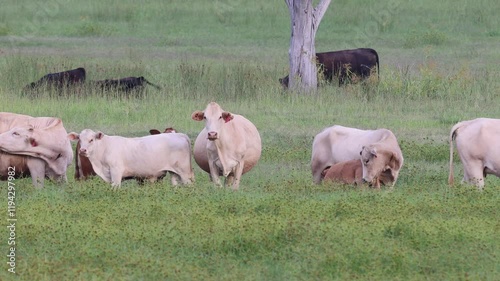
{"x": 439, "y": 65}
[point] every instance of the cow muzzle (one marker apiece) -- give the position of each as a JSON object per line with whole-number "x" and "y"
{"x": 83, "y": 152}
{"x": 212, "y": 136}
{"x": 369, "y": 183}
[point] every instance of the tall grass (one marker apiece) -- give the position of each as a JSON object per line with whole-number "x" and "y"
{"x": 438, "y": 66}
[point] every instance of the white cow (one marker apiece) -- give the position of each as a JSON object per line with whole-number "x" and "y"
{"x": 338, "y": 144}
{"x": 114, "y": 158}
{"x": 34, "y": 146}
{"x": 478, "y": 145}
{"x": 229, "y": 145}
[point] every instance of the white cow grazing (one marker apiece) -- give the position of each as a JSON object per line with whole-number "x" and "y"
{"x": 338, "y": 144}
{"x": 478, "y": 145}
{"x": 34, "y": 146}
{"x": 114, "y": 158}
{"x": 229, "y": 145}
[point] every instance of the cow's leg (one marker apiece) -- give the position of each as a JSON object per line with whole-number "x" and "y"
{"x": 184, "y": 173}
{"x": 116, "y": 178}
{"x": 60, "y": 179}
{"x": 38, "y": 180}
{"x": 229, "y": 180}
{"x": 214, "y": 173}
{"x": 320, "y": 163}
{"x": 37, "y": 170}
{"x": 186, "y": 178}
{"x": 473, "y": 174}
{"x": 237, "y": 172}
{"x": 174, "y": 178}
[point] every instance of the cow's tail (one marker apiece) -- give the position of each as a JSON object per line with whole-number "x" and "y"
{"x": 378, "y": 64}
{"x": 453, "y": 135}
{"x": 78, "y": 175}
{"x": 154, "y": 85}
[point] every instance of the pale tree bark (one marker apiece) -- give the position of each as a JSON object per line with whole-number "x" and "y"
{"x": 304, "y": 21}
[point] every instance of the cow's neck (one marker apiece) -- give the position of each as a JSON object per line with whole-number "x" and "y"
{"x": 222, "y": 153}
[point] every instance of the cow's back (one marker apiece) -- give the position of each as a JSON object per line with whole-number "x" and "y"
{"x": 346, "y": 143}
{"x": 10, "y": 120}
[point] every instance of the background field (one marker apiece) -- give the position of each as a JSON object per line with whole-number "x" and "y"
{"x": 439, "y": 65}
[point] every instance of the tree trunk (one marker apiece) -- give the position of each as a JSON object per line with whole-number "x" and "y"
{"x": 304, "y": 21}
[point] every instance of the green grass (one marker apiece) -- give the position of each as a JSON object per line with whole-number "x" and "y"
{"x": 439, "y": 65}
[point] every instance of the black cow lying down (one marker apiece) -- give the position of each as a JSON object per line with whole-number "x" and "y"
{"x": 123, "y": 85}
{"x": 59, "y": 80}
{"x": 345, "y": 64}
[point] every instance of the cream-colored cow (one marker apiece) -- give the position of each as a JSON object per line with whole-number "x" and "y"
{"x": 34, "y": 146}
{"x": 115, "y": 158}
{"x": 338, "y": 144}
{"x": 478, "y": 145}
{"x": 228, "y": 146}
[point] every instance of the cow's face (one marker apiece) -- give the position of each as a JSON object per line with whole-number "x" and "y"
{"x": 88, "y": 139}
{"x": 214, "y": 118}
{"x": 374, "y": 163}
{"x": 20, "y": 139}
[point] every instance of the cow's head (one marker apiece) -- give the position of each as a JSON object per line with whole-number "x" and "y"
{"x": 88, "y": 139}
{"x": 167, "y": 130}
{"x": 20, "y": 139}
{"x": 214, "y": 117}
{"x": 376, "y": 161}
{"x": 33, "y": 141}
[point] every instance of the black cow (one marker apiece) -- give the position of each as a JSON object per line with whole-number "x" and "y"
{"x": 124, "y": 84}
{"x": 345, "y": 64}
{"x": 59, "y": 80}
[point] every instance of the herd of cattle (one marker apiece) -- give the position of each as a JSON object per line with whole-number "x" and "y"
{"x": 77, "y": 77}
{"x": 229, "y": 146}
{"x": 345, "y": 65}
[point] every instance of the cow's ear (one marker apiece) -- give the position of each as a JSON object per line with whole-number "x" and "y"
{"x": 154, "y": 132}
{"x": 227, "y": 116}
{"x": 99, "y": 135}
{"x": 73, "y": 136}
{"x": 395, "y": 161}
{"x": 361, "y": 152}
{"x": 373, "y": 152}
{"x": 197, "y": 115}
{"x": 170, "y": 130}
